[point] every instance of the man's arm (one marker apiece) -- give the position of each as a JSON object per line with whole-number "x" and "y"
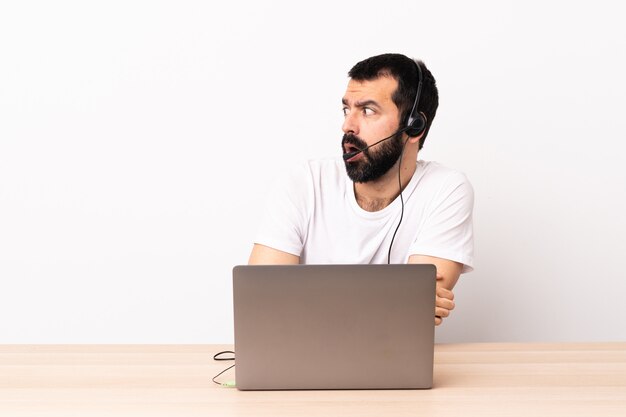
{"x": 448, "y": 273}
{"x": 264, "y": 255}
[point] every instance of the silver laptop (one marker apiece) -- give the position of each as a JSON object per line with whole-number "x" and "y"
{"x": 334, "y": 326}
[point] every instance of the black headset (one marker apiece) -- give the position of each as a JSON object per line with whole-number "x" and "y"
{"x": 416, "y": 122}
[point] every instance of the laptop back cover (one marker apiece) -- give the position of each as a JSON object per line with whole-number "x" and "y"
{"x": 334, "y": 326}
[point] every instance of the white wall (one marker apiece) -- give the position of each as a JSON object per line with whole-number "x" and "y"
{"x": 137, "y": 140}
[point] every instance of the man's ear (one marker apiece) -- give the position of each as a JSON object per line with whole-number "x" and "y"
{"x": 416, "y": 139}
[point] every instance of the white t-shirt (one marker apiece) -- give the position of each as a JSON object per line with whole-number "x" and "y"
{"x": 313, "y": 213}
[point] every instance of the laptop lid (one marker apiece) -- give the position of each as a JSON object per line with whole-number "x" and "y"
{"x": 334, "y": 326}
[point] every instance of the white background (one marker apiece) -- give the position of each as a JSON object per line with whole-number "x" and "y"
{"x": 137, "y": 140}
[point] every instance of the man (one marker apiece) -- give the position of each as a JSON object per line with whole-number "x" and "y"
{"x": 347, "y": 211}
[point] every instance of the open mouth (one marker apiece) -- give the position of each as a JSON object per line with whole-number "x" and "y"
{"x": 352, "y": 153}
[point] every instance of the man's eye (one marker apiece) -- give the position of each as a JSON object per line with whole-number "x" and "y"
{"x": 367, "y": 111}
{"x": 345, "y": 111}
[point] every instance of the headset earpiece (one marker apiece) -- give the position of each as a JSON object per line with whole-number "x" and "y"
{"x": 415, "y": 126}
{"x": 416, "y": 122}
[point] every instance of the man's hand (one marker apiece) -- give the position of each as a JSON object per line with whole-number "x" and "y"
{"x": 448, "y": 273}
{"x": 443, "y": 302}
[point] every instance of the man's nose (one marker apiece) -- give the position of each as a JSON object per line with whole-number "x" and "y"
{"x": 350, "y": 124}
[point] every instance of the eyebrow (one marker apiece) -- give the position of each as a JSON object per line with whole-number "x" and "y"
{"x": 363, "y": 103}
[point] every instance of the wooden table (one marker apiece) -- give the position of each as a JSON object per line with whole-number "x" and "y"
{"x": 175, "y": 380}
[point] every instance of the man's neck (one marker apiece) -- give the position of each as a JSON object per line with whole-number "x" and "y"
{"x": 378, "y": 194}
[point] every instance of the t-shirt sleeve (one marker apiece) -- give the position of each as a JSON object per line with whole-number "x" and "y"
{"x": 285, "y": 217}
{"x": 447, "y": 231}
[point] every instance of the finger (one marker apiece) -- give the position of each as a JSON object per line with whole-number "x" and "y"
{"x": 442, "y": 312}
{"x": 439, "y": 277}
{"x": 438, "y": 321}
{"x": 445, "y": 293}
{"x": 445, "y": 303}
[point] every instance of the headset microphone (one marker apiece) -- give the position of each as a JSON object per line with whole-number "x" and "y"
{"x": 349, "y": 155}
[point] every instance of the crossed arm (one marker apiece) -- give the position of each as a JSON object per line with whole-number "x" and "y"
{"x": 448, "y": 273}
